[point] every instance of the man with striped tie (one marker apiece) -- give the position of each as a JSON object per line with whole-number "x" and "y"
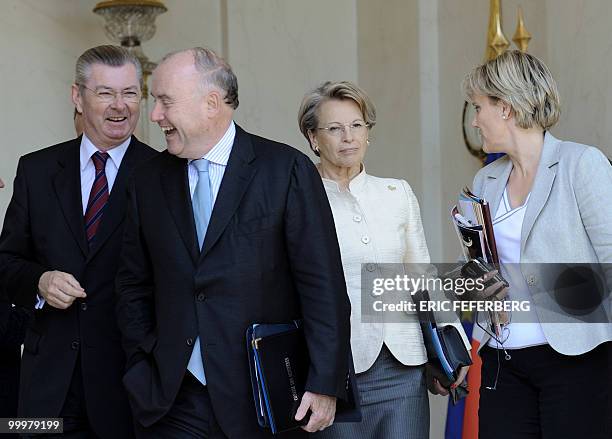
{"x": 59, "y": 249}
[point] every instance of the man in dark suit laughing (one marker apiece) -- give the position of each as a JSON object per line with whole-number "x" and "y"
{"x": 59, "y": 253}
{"x": 225, "y": 229}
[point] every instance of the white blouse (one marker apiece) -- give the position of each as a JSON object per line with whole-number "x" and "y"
{"x": 507, "y": 227}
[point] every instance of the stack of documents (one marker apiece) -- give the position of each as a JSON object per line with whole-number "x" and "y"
{"x": 474, "y": 226}
{"x": 472, "y": 220}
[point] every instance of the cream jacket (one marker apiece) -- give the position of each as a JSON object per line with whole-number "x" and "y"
{"x": 378, "y": 221}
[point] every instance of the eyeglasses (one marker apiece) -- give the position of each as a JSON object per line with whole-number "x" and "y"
{"x": 337, "y": 130}
{"x": 108, "y": 95}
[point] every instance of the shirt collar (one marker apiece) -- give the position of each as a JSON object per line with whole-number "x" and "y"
{"x": 355, "y": 185}
{"x": 116, "y": 154}
{"x": 220, "y": 153}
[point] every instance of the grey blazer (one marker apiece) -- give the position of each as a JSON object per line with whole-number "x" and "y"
{"x": 568, "y": 220}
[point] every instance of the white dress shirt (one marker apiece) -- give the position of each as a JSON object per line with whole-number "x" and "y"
{"x": 88, "y": 174}
{"x": 218, "y": 157}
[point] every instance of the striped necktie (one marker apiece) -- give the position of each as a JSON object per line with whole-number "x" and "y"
{"x": 98, "y": 197}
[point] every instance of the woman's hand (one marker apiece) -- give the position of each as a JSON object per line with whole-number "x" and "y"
{"x": 437, "y": 389}
{"x": 495, "y": 291}
{"x": 462, "y": 374}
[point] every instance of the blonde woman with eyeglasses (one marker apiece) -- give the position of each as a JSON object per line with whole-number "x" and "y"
{"x": 377, "y": 222}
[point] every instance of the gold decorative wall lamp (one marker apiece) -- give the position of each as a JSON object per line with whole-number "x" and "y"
{"x": 497, "y": 43}
{"x": 130, "y": 23}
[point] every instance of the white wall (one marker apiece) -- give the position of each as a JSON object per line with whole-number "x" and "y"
{"x": 279, "y": 50}
{"x": 579, "y": 49}
{"x": 388, "y": 48}
{"x": 39, "y": 42}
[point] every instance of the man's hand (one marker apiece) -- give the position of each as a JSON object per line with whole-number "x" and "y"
{"x": 59, "y": 289}
{"x": 323, "y": 410}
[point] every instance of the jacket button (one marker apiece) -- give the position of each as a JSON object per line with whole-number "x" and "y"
{"x": 357, "y": 218}
{"x": 189, "y": 341}
{"x": 84, "y": 306}
{"x": 365, "y": 239}
{"x": 370, "y": 267}
{"x": 75, "y": 345}
{"x": 531, "y": 280}
{"x": 201, "y": 297}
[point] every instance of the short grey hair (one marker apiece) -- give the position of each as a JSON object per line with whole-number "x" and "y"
{"x": 308, "y": 119}
{"x": 522, "y": 81}
{"x": 108, "y": 55}
{"x": 215, "y": 71}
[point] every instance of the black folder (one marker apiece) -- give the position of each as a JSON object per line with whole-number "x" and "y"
{"x": 278, "y": 363}
{"x": 446, "y": 352}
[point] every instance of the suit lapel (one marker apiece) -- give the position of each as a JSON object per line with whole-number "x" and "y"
{"x": 496, "y": 183}
{"x": 67, "y": 185}
{"x": 236, "y": 178}
{"x": 542, "y": 185}
{"x": 114, "y": 212}
{"x": 175, "y": 185}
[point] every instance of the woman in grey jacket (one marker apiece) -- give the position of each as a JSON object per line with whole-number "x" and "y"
{"x": 549, "y": 375}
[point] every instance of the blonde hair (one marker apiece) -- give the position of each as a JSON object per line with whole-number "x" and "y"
{"x": 341, "y": 90}
{"x": 522, "y": 81}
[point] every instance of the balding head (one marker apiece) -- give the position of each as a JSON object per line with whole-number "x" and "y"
{"x": 215, "y": 71}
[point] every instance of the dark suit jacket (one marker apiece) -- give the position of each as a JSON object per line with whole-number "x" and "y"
{"x": 270, "y": 255}
{"x": 13, "y": 320}
{"x": 44, "y": 230}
